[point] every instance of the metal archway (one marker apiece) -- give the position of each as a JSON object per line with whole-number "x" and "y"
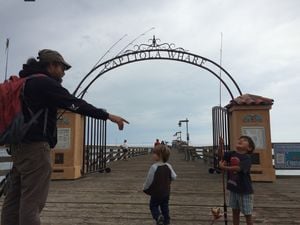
{"x": 155, "y": 51}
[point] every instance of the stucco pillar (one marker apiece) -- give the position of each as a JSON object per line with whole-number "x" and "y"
{"x": 67, "y": 157}
{"x": 250, "y": 115}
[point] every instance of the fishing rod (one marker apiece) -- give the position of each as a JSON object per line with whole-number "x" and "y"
{"x": 221, "y": 157}
{"x": 109, "y": 50}
{"x": 93, "y": 69}
{"x": 220, "y": 73}
{"x": 95, "y": 66}
{"x": 223, "y": 178}
{"x": 119, "y": 53}
{"x": 135, "y": 39}
{"x": 216, "y": 212}
{"x": 6, "y": 63}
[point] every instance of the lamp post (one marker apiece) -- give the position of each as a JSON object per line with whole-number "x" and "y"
{"x": 186, "y": 121}
{"x": 176, "y": 134}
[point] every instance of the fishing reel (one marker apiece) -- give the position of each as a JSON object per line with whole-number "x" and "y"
{"x": 106, "y": 170}
{"x": 214, "y": 170}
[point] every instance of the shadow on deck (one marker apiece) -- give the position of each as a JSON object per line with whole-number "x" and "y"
{"x": 116, "y": 198}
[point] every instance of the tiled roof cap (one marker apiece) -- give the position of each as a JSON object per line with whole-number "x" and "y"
{"x": 248, "y": 99}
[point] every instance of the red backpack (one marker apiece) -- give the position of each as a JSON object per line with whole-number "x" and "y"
{"x": 13, "y": 128}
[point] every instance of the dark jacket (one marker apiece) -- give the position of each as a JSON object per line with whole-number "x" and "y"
{"x": 239, "y": 182}
{"x": 158, "y": 182}
{"x": 47, "y": 93}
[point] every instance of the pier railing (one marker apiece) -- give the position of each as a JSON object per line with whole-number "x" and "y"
{"x": 191, "y": 153}
{"x": 96, "y": 153}
{"x": 209, "y": 154}
{"x": 115, "y": 153}
{"x": 94, "y": 149}
{"x": 96, "y": 158}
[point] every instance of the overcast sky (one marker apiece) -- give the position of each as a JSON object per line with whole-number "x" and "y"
{"x": 261, "y": 45}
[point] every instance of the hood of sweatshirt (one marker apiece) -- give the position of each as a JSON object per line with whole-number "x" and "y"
{"x": 29, "y": 70}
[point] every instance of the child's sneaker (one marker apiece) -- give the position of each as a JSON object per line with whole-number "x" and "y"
{"x": 160, "y": 220}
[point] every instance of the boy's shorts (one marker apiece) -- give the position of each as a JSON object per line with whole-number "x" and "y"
{"x": 243, "y": 202}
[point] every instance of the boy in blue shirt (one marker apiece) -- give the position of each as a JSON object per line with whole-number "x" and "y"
{"x": 238, "y": 164}
{"x": 158, "y": 185}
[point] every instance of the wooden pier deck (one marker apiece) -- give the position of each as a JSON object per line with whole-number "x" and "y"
{"x": 116, "y": 198}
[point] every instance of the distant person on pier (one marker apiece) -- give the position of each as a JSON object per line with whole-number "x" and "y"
{"x": 156, "y": 142}
{"x": 162, "y": 143}
{"x": 238, "y": 165}
{"x": 124, "y": 148}
{"x": 158, "y": 185}
{"x": 31, "y": 171}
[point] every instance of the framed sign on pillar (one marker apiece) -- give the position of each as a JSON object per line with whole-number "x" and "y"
{"x": 67, "y": 156}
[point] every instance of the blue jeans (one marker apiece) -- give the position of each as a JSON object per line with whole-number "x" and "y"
{"x": 163, "y": 204}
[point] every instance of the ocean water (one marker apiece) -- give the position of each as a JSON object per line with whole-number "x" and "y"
{"x": 287, "y": 172}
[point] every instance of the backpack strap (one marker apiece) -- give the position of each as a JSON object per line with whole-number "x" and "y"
{"x": 35, "y": 76}
{"x": 35, "y": 117}
{"x": 45, "y": 122}
{"x": 45, "y": 110}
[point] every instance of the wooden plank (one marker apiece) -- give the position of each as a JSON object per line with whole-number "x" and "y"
{"x": 117, "y": 197}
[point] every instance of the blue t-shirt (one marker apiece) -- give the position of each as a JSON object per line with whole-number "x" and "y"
{"x": 239, "y": 182}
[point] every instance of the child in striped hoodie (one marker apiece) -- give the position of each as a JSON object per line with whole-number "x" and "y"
{"x": 158, "y": 185}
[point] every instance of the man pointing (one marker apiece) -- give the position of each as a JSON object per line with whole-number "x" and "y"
{"x": 30, "y": 175}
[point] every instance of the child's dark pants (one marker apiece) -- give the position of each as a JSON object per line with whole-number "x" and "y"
{"x": 163, "y": 204}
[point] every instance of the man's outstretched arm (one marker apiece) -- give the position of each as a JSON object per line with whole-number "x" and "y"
{"x": 60, "y": 97}
{"x": 118, "y": 120}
